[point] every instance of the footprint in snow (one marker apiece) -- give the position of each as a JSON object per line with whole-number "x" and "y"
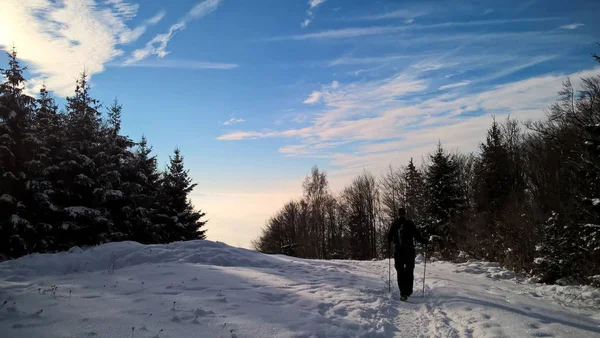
{"x": 201, "y": 313}
{"x": 324, "y": 307}
{"x": 219, "y": 299}
{"x": 167, "y": 293}
{"x": 489, "y": 325}
{"x": 341, "y": 311}
{"x": 238, "y": 288}
{"x": 272, "y": 297}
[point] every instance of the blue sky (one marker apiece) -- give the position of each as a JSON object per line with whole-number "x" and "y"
{"x": 256, "y": 92}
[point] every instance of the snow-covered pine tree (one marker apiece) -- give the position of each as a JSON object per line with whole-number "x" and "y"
{"x": 176, "y": 217}
{"x": 113, "y": 192}
{"x": 492, "y": 191}
{"x": 48, "y": 130}
{"x": 443, "y": 198}
{"x": 559, "y": 253}
{"x": 415, "y": 193}
{"x": 493, "y": 186}
{"x": 141, "y": 188}
{"x": 84, "y": 223}
{"x": 48, "y": 124}
{"x": 17, "y": 148}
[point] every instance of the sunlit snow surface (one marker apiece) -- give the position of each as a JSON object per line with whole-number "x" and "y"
{"x": 208, "y": 289}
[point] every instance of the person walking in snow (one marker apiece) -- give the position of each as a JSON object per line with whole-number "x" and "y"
{"x": 402, "y": 233}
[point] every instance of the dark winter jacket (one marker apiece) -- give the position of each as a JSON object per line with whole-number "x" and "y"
{"x": 403, "y": 232}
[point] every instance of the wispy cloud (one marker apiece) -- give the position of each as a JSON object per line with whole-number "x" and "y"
{"x": 517, "y": 67}
{"x": 295, "y": 150}
{"x": 242, "y": 135}
{"x": 155, "y": 46}
{"x": 124, "y": 9}
{"x": 340, "y": 33}
{"x": 310, "y": 13}
{"x": 138, "y": 31}
{"x": 307, "y": 150}
{"x": 410, "y": 14}
{"x": 483, "y": 22}
{"x": 407, "y": 14}
{"x": 233, "y": 120}
{"x": 180, "y": 64}
{"x": 366, "y": 60}
{"x": 353, "y": 32}
{"x": 156, "y": 19}
{"x": 158, "y": 45}
{"x": 73, "y": 35}
{"x": 455, "y": 85}
{"x": 571, "y": 26}
{"x": 313, "y": 98}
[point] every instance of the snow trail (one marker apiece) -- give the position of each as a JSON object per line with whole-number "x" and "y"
{"x": 209, "y": 289}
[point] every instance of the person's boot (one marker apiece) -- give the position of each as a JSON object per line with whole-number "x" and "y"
{"x": 403, "y": 298}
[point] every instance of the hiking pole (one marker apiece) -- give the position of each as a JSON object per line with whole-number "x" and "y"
{"x": 390, "y": 268}
{"x": 424, "y": 269}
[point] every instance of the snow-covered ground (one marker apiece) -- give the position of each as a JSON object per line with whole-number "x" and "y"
{"x": 208, "y": 289}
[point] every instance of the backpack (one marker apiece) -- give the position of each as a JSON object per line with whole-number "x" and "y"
{"x": 405, "y": 236}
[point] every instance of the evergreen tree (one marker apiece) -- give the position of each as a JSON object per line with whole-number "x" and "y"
{"x": 112, "y": 170}
{"x": 415, "y": 193}
{"x": 79, "y": 187}
{"x": 493, "y": 177}
{"x": 559, "y": 253}
{"x": 142, "y": 190}
{"x": 47, "y": 126}
{"x": 444, "y": 200}
{"x": 176, "y": 217}
{"x": 492, "y": 191}
{"x": 17, "y": 148}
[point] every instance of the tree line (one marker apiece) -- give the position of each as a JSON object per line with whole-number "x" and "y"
{"x": 529, "y": 199}
{"x": 69, "y": 177}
